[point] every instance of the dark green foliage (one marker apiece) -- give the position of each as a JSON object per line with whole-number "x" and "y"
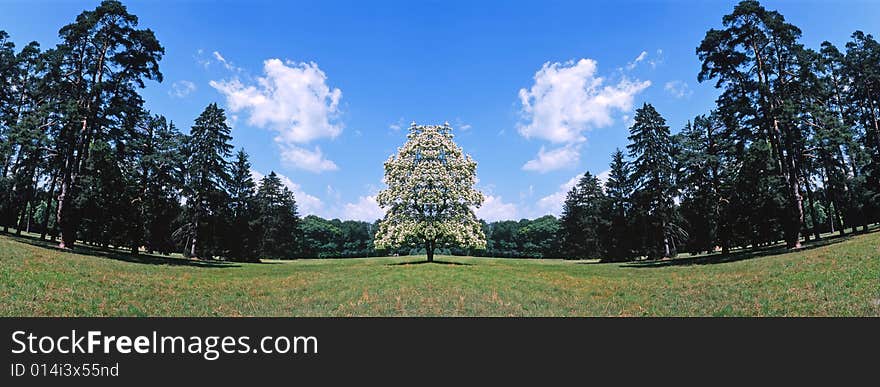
{"x": 656, "y": 220}
{"x": 159, "y": 182}
{"x": 618, "y": 210}
{"x": 706, "y": 166}
{"x": 277, "y": 221}
{"x": 537, "y": 238}
{"x": 207, "y": 175}
{"x": 792, "y": 150}
{"x": 334, "y": 238}
{"x": 583, "y": 221}
{"x": 760, "y": 202}
{"x": 242, "y": 239}
{"x": 104, "y": 59}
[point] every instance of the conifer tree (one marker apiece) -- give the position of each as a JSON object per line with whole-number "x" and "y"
{"x": 618, "y": 190}
{"x": 278, "y": 221}
{"x": 242, "y": 191}
{"x": 207, "y": 175}
{"x": 582, "y": 223}
{"x": 654, "y": 180}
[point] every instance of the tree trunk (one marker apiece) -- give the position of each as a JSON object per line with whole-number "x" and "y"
{"x": 64, "y": 213}
{"x": 429, "y": 249}
{"x": 192, "y": 251}
{"x": 49, "y": 197}
{"x": 815, "y": 222}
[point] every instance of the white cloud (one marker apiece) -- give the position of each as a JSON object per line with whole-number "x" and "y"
{"x": 365, "y": 209}
{"x": 635, "y": 62}
{"x": 494, "y": 208}
{"x": 182, "y": 88}
{"x": 552, "y": 203}
{"x": 678, "y": 89}
{"x": 292, "y": 99}
{"x": 309, "y": 160}
{"x": 306, "y": 204}
{"x": 464, "y": 127}
{"x": 224, "y": 62}
{"x": 566, "y": 100}
{"x": 562, "y": 157}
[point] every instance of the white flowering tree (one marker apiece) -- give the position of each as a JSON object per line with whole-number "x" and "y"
{"x": 430, "y": 194}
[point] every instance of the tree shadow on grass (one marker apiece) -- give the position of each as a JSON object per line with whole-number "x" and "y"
{"x": 118, "y": 255}
{"x": 716, "y": 258}
{"x": 433, "y": 262}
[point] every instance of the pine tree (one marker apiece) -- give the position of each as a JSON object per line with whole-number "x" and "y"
{"x": 241, "y": 240}
{"x": 754, "y": 60}
{"x": 862, "y": 69}
{"x": 653, "y": 175}
{"x": 160, "y": 182}
{"x": 618, "y": 190}
{"x": 278, "y": 221}
{"x": 706, "y": 166}
{"x": 207, "y": 175}
{"x": 105, "y": 59}
{"x": 582, "y": 224}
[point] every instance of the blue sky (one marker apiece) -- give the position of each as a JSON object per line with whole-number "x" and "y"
{"x": 538, "y": 92}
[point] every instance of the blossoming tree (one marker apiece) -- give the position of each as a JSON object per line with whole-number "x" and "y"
{"x": 430, "y": 196}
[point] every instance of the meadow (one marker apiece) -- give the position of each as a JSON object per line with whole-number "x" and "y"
{"x": 831, "y": 277}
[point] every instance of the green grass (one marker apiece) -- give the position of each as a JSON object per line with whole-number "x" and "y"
{"x": 839, "y": 277}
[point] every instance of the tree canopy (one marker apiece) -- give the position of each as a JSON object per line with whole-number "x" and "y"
{"x": 430, "y": 194}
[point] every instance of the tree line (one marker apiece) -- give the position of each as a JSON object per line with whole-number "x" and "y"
{"x": 82, "y": 160}
{"x": 791, "y": 150}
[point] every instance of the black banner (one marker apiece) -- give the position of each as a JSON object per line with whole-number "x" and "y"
{"x": 330, "y": 351}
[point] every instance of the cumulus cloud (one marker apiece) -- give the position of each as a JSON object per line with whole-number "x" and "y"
{"x": 494, "y": 209}
{"x": 309, "y": 160}
{"x": 182, "y": 89}
{"x": 365, "y": 209}
{"x": 678, "y": 89}
{"x": 566, "y": 100}
{"x": 306, "y": 204}
{"x": 552, "y": 203}
{"x": 292, "y": 99}
{"x": 554, "y": 159}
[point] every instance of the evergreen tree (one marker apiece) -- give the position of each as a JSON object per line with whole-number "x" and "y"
{"x": 754, "y": 60}
{"x": 160, "y": 182}
{"x": 705, "y": 167}
{"x": 862, "y": 70}
{"x": 618, "y": 190}
{"x": 278, "y": 222}
{"x": 582, "y": 223}
{"x": 653, "y": 176}
{"x": 105, "y": 59}
{"x": 760, "y": 201}
{"x": 207, "y": 175}
{"x": 242, "y": 191}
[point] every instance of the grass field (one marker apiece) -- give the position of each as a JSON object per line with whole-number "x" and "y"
{"x": 833, "y": 277}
